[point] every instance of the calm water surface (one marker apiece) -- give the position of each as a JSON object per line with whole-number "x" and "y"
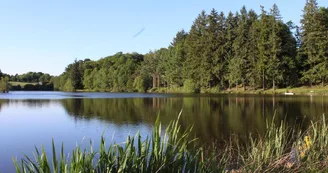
{"x": 29, "y": 119}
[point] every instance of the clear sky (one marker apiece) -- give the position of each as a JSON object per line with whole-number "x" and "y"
{"x": 41, "y": 35}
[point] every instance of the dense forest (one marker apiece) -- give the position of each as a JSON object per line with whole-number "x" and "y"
{"x": 220, "y": 52}
{"x": 242, "y": 49}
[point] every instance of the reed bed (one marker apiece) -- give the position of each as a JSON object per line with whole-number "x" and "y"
{"x": 281, "y": 149}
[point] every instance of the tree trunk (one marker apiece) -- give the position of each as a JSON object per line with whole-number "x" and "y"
{"x": 263, "y": 80}
{"x": 323, "y": 84}
{"x": 274, "y": 85}
{"x": 229, "y": 85}
{"x": 244, "y": 85}
{"x": 154, "y": 80}
{"x": 310, "y": 80}
{"x": 158, "y": 81}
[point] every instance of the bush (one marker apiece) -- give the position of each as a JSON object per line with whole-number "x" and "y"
{"x": 68, "y": 86}
{"x": 211, "y": 90}
{"x": 139, "y": 84}
{"x": 189, "y": 86}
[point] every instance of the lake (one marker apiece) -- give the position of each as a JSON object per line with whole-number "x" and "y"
{"x": 29, "y": 119}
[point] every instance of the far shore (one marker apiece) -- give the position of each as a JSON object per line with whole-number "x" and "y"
{"x": 304, "y": 90}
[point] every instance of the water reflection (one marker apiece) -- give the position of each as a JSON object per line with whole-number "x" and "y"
{"x": 34, "y": 120}
{"x": 214, "y": 117}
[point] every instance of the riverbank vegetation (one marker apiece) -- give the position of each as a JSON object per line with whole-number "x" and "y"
{"x": 4, "y": 84}
{"x": 281, "y": 149}
{"x": 25, "y": 86}
{"x": 31, "y": 81}
{"x": 218, "y": 53}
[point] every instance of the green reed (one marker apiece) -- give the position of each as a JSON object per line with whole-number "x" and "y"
{"x": 281, "y": 149}
{"x": 168, "y": 152}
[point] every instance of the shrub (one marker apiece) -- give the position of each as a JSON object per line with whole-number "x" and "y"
{"x": 189, "y": 86}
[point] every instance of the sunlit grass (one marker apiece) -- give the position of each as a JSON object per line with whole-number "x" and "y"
{"x": 22, "y": 84}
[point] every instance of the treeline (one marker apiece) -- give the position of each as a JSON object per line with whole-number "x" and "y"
{"x": 32, "y": 87}
{"x": 31, "y": 81}
{"x": 221, "y": 51}
{"x": 38, "y": 82}
{"x": 31, "y": 77}
{"x": 120, "y": 72}
{"x": 3, "y": 75}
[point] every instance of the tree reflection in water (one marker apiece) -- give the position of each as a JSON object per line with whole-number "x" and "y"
{"x": 214, "y": 117}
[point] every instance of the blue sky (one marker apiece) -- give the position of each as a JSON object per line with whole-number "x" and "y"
{"x": 46, "y": 36}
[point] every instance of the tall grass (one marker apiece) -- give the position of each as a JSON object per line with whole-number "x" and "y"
{"x": 168, "y": 152}
{"x": 281, "y": 149}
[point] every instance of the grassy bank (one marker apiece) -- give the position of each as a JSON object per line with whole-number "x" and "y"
{"x": 22, "y": 84}
{"x": 304, "y": 90}
{"x": 281, "y": 149}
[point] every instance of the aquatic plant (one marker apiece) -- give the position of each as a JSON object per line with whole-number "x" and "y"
{"x": 168, "y": 152}
{"x": 281, "y": 149}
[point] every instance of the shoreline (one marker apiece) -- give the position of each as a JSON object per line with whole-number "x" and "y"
{"x": 303, "y": 90}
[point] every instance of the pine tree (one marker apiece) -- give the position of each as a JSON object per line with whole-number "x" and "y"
{"x": 196, "y": 66}
{"x": 288, "y": 63}
{"x": 240, "y": 46}
{"x": 253, "y": 52}
{"x": 263, "y": 45}
{"x": 275, "y": 43}
{"x": 177, "y": 56}
{"x": 322, "y": 44}
{"x": 214, "y": 52}
{"x": 314, "y": 42}
{"x": 231, "y": 25}
{"x": 308, "y": 37}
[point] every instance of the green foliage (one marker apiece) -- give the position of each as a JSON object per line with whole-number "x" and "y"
{"x": 189, "y": 86}
{"x": 68, "y": 86}
{"x": 197, "y": 65}
{"x": 31, "y": 77}
{"x": 140, "y": 84}
{"x": 242, "y": 49}
{"x": 4, "y": 84}
{"x": 314, "y": 43}
{"x": 75, "y": 75}
{"x": 113, "y": 73}
{"x": 31, "y": 81}
{"x": 177, "y": 56}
